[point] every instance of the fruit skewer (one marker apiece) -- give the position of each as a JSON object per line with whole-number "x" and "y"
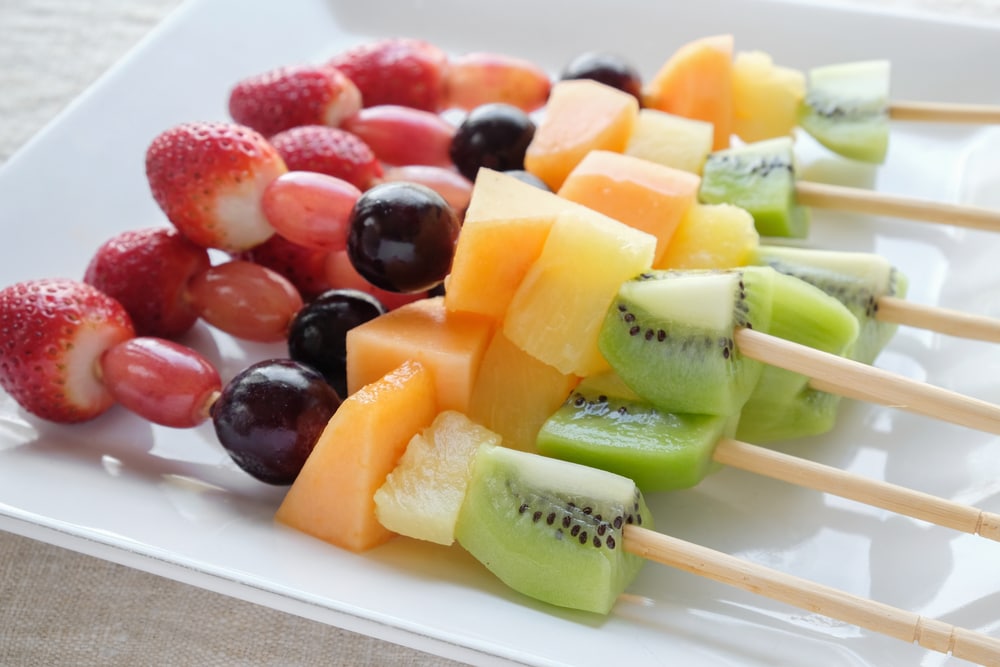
{"x": 944, "y": 112}
{"x": 813, "y": 597}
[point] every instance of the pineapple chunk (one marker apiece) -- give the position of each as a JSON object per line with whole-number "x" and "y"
{"x": 422, "y": 495}
{"x": 766, "y": 97}
{"x": 712, "y": 236}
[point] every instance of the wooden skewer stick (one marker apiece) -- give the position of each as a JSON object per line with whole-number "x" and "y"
{"x": 876, "y": 493}
{"x": 944, "y": 112}
{"x": 837, "y": 375}
{"x": 859, "y": 200}
{"x": 942, "y": 320}
{"x": 811, "y": 596}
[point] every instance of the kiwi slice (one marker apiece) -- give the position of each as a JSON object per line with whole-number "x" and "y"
{"x": 846, "y": 108}
{"x": 782, "y": 405}
{"x": 856, "y": 279}
{"x": 760, "y": 178}
{"x": 606, "y": 425}
{"x": 551, "y": 529}
{"x": 669, "y": 336}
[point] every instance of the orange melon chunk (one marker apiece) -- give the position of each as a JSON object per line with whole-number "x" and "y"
{"x": 581, "y": 116}
{"x": 515, "y": 393}
{"x": 645, "y": 195}
{"x": 505, "y": 227}
{"x": 333, "y": 496}
{"x": 449, "y": 344}
{"x": 696, "y": 82}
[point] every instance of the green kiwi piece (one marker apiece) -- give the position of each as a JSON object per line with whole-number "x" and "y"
{"x": 605, "y": 425}
{"x": 846, "y": 108}
{"x": 782, "y": 405}
{"x": 669, "y": 336}
{"x": 760, "y": 178}
{"x": 857, "y": 279}
{"x": 551, "y": 529}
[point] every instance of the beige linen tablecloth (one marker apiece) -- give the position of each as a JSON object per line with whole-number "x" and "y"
{"x": 62, "y": 608}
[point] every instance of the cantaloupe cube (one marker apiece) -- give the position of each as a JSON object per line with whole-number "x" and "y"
{"x": 515, "y": 393}
{"x": 556, "y": 313}
{"x": 582, "y": 115}
{"x": 642, "y": 194}
{"x": 505, "y": 226}
{"x": 333, "y": 496}
{"x": 696, "y": 82}
{"x": 711, "y": 236}
{"x": 449, "y": 344}
{"x": 674, "y": 141}
{"x": 766, "y": 97}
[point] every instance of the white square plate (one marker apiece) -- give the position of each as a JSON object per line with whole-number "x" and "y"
{"x": 172, "y": 503}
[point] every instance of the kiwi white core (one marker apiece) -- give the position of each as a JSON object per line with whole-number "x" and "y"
{"x": 700, "y": 299}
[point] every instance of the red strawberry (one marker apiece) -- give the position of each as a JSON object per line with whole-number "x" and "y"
{"x": 330, "y": 151}
{"x": 408, "y": 72}
{"x": 304, "y": 267}
{"x": 54, "y": 332}
{"x": 148, "y": 272}
{"x": 292, "y": 96}
{"x": 208, "y": 179}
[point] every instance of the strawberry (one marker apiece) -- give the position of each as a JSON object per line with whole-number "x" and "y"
{"x": 304, "y": 267}
{"x": 407, "y": 72}
{"x": 54, "y": 332}
{"x": 208, "y": 179}
{"x": 148, "y": 272}
{"x": 330, "y": 151}
{"x": 291, "y": 96}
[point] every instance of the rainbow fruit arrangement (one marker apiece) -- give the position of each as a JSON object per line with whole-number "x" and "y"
{"x": 502, "y": 331}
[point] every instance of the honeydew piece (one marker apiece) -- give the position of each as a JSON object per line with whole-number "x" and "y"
{"x": 671, "y": 140}
{"x": 557, "y": 311}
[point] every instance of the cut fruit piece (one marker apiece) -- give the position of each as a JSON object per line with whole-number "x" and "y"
{"x": 582, "y": 115}
{"x": 449, "y": 344}
{"x": 671, "y": 140}
{"x": 782, "y": 405}
{"x": 552, "y": 529}
{"x": 505, "y": 228}
{"x": 696, "y": 82}
{"x": 557, "y": 311}
{"x": 605, "y": 425}
{"x": 711, "y": 236}
{"x": 760, "y": 178}
{"x": 645, "y": 195}
{"x": 846, "y": 108}
{"x": 766, "y": 97}
{"x": 422, "y": 495}
{"x": 515, "y": 393}
{"x": 333, "y": 496}
{"x": 669, "y": 335}
{"x": 856, "y": 279}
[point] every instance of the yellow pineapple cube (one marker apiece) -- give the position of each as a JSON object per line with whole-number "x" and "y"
{"x": 711, "y": 236}
{"x": 766, "y": 97}
{"x": 671, "y": 140}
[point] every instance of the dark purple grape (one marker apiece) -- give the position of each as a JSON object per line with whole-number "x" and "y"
{"x": 317, "y": 336}
{"x": 269, "y": 417}
{"x": 402, "y": 237}
{"x": 495, "y": 136}
{"x": 607, "y": 68}
{"x": 529, "y": 178}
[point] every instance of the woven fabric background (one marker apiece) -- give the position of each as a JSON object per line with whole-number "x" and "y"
{"x": 58, "y": 607}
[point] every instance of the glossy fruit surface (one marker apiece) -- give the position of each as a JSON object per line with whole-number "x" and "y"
{"x": 317, "y": 336}
{"x": 607, "y": 68}
{"x": 405, "y": 71}
{"x": 269, "y": 417}
{"x": 402, "y": 237}
{"x": 328, "y": 150}
{"x": 310, "y": 209}
{"x": 495, "y": 136}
